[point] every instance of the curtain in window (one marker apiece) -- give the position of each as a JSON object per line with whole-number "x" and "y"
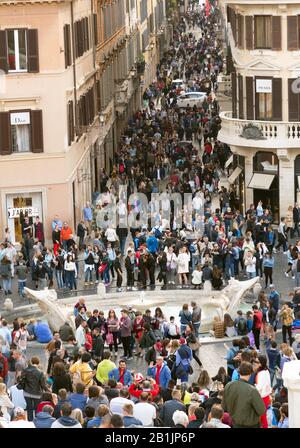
{"x": 22, "y": 138}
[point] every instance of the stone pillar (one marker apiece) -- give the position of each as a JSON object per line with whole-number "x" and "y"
{"x": 248, "y": 192}
{"x": 291, "y": 380}
{"x": 286, "y": 181}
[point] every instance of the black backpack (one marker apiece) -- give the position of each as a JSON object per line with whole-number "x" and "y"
{"x": 242, "y": 327}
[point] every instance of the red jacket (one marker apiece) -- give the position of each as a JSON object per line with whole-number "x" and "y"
{"x": 3, "y": 366}
{"x": 136, "y": 393}
{"x": 257, "y": 319}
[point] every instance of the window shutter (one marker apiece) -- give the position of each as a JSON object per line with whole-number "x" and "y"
{"x": 241, "y": 31}
{"x": 37, "y": 131}
{"x": 276, "y": 33}
{"x": 234, "y": 94}
{"x": 249, "y": 97}
{"x": 5, "y": 134}
{"x": 241, "y": 97}
{"x": 86, "y": 21}
{"x": 33, "y": 51}
{"x": 67, "y": 44}
{"x": 70, "y": 123}
{"x": 3, "y": 51}
{"x": 293, "y": 99}
{"x": 95, "y": 29}
{"x": 277, "y": 99}
{"x": 249, "y": 32}
{"x": 292, "y": 33}
{"x": 76, "y": 39}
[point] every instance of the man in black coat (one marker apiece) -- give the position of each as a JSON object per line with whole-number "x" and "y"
{"x": 97, "y": 344}
{"x": 296, "y": 219}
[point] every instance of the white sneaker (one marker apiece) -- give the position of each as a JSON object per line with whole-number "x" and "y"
{"x": 275, "y": 251}
{"x": 286, "y": 274}
{"x": 134, "y": 289}
{"x": 293, "y": 277}
{"x": 120, "y": 289}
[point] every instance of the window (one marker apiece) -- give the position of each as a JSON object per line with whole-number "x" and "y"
{"x": 264, "y": 106}
{"x": 16, "y": 50}
{"x": 22, "y": 131}
{"x": 263, "y": 31}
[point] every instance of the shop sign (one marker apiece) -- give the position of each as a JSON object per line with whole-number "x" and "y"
{"x": 263, "y": 85}
{"x": 27, "y": 211}
{"x": 19, "y": 118}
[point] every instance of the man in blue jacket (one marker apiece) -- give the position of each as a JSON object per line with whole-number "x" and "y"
{"x": 121, "y": 374}
{"x": 44, "y": 419}
{"x": 160, "y": 372}
{"x": 152, "y": 244}
{"x": 42, "y": 332}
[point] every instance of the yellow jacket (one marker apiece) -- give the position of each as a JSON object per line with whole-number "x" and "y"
{"x": 82, "y": 372}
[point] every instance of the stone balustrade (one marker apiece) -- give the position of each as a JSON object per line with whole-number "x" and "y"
{"x": 275, "y": 134}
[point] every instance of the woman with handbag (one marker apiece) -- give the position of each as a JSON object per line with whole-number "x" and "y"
{"x": 192, "y": 342}
{"x": 112, "y": 334}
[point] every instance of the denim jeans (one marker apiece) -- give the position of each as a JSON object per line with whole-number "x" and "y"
{"x": 106, "y": 277}
{"x": 59, "y": 279}
{"x": 21, "y": 286}
{"x": 6, "y": 284}
{"x": 229, "y": 270}
{"x": 122, "y": 245}
{"x": 195, "y": 261}
{"x": 196, "y": 328}
{"x": 297, "y": 279}
{"x": 88, "y": 275}
{"x": 251, "y": 274}
{"x": 70, "y": 279}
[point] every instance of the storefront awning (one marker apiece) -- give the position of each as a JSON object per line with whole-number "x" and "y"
{"x": 235, "y": 174}
{"x": 229, "y": 161}
{"x": 261, "y": 181}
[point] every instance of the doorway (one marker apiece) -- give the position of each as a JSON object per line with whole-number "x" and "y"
{"x": 20, "y": 202}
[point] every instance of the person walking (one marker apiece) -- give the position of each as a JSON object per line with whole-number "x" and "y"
{"x": 268, "y": 265}
{"x": 243, "y": 401}
{"x": 33, "y": 383}
{"x": 282, "y": 235}
{"x": 286, "y": 315}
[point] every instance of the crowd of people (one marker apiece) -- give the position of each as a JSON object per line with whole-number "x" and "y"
{"x": 164, "y": 148}
{"x": 86, "y": 384}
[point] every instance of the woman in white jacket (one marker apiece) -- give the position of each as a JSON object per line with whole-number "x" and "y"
{"x": 171, "y": 265}
{"x": 183, "y": 261}
{"x": 250, "y": 263}
{"x": 263, "y": 385}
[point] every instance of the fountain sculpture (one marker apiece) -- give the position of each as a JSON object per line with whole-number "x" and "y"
{"x": 212, "y": 303}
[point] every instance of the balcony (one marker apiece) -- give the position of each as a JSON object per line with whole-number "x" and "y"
{"x": 264, "y": 134}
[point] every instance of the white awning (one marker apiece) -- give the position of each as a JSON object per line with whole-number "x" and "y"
{"x": 229, "y": 161}
{"x": 235, "y": 174}
{"x": 261, "y": 181}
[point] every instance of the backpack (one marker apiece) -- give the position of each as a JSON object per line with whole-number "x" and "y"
{"x": 242, "y": 327}
{"x": 121, "y": 168}
{"x": 157, "y": 233}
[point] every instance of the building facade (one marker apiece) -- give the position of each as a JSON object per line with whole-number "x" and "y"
{"x": 263, "y": 127}
{"x": 69, "y": 83}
